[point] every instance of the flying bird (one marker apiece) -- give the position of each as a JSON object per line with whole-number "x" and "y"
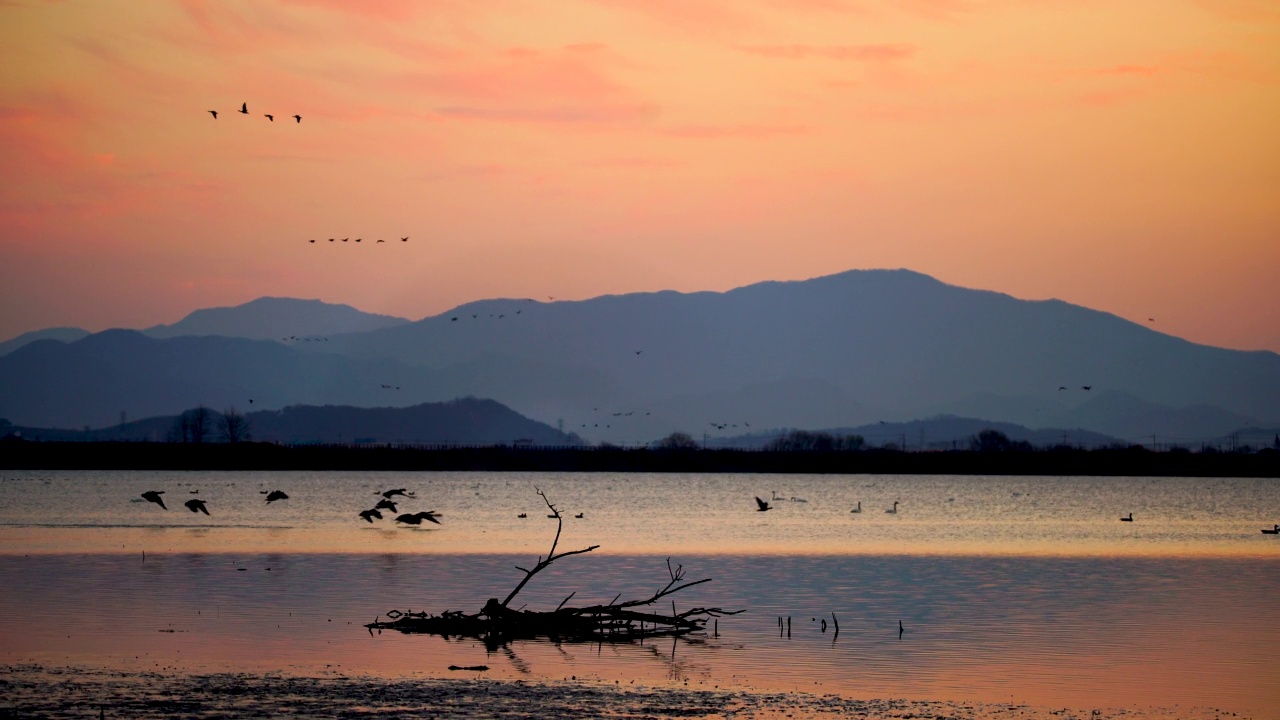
{"x": 396, "y": 491}
{"x": 385, "y": 504}
{"x": 196, "y": 506}
{"x": 214, "y": 113}
{"x": 1086, "y": 387}
{"x": 313, "y": 241}
{"x": 417, "y": 518}
{"x": 761, "y": 505}
{"x": 298, "y": 118}
{"x": 276, "y": 495}
{"x": 369, "y": 515}
{"x": 381, "y": 240}
{"x": 244, "y": 108}
{"x": 404, "y": 239}
{"x": 272, "y": 118}
{"x": 154, "y": 496}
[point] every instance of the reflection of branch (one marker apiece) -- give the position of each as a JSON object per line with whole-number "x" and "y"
{"x": 516, "y": 662}
{"x": 551, "y": 556}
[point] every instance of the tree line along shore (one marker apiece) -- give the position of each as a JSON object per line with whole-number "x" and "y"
{"x": 18, "y": 454}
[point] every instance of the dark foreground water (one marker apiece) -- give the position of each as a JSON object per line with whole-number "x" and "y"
{"x": 1001, "y": 605}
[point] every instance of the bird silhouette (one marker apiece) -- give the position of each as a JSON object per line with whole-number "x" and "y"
{"x": 214, "y": 113}
{"x": 579, "y": 516}
{"x": 272, "y": 118}
{"x": 196, "y": 506}
{"x": 381, "y": 241}
{"x": 313, "y": 241}
{"x": 298, "y": 118}
{"x": 244, "y": 108}
{"x": 369, "y": 515}
{"x": 1275, "y": 530}
{"x": 1127, "y": 519}
{"x": 857, "y": 509}
{"x": 385, "y": 504}
{"x": 761, "y": 505}
{"x": 396, "y": 491}
{"x": 893, "y": 510}
{"x": 417, "y": 518}
{"x": 404, "y": 239}
{"x": 154, "y": 496}
{"x": 1086, "y": 387}
{"x": 525, "y": 515}
{"x": 276, "y": 495}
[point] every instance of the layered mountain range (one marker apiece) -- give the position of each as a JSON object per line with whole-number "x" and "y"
{"x": 853, "y": 349}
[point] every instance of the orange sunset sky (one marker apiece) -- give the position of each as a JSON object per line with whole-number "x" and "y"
{"x": 1124, "y": 156}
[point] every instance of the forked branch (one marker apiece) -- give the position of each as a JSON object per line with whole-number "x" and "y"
{"x": 551, "y": 556}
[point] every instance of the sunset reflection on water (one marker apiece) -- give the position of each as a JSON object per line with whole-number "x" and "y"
{"x": 1022, "y": 589}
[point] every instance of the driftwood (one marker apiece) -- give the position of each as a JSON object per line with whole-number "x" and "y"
{"x": 626, "y": 621}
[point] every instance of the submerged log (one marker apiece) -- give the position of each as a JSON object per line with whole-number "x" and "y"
{"x": 496, "y": 623}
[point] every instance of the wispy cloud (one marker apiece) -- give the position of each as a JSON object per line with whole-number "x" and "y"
{"x": 862, "y": 53}
{"x": 744, "y": 130}
{"x": 600, "y": 114}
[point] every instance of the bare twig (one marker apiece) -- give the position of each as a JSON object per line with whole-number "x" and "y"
{"x": 551, "y": 556}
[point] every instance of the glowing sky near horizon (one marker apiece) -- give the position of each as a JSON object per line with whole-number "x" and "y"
{"x": 1122, "y": 156}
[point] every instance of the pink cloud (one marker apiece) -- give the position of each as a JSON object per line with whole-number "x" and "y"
{"x": 596, "y": 114}
{"x": 712, "y": 132}
{"x": 703, "y": 17}
{"x": 864, "y": 53}
{"x": 393, "y": 10}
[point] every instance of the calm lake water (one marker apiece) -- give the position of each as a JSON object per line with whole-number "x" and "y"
{"x": 1021, "y": 589}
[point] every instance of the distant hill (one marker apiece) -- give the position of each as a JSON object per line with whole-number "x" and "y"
{"x": 466, "y": 421}
{"x": 944, "y": 432}
{"x": 846, "y": 350}
{"x": 283, "y": 319}
{"x": 59, "y": 334}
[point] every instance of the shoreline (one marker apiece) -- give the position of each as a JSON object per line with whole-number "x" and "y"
{"x": 32, "y": 690}
{"x": 1115, "y": 462}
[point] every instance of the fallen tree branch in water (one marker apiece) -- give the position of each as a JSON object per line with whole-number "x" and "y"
{"x": 496, "y": 623}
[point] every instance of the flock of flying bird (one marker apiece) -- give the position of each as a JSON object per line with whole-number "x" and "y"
{"x": 244, "y": 110}
{"x": 386, "y": 503}
{"x": 197, "y": 505}
{"x": 347, "y": 239}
